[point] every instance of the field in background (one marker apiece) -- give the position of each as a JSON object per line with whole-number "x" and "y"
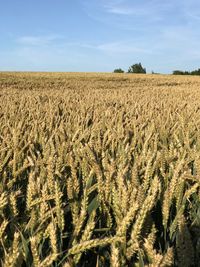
{"x": 99, "y": 170}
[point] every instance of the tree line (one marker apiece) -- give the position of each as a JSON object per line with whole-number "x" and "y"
{"x": 138, "y": 68}
{"x": 180, "y": 72}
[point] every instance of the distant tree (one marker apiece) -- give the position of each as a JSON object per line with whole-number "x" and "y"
{"x": 178, "y": 72}
{"x": 195, "y": 72}
{"x": 118, "y": 71}
{"x": 154, "y": 72}
{"x": 187, "y": 73}
{"x": 137, "y": 68}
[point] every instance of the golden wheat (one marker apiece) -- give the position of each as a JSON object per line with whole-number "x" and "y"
{"x": 99, "y": 170}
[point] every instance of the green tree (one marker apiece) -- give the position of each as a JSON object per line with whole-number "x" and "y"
{"x": 178, "y": 72}
{"x": 118, "y": 71}
{"x": 137, "y": 68}
{"x": 195, "y": 72}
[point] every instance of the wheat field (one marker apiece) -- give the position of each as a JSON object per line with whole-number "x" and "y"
{"x": 99, "y": 170}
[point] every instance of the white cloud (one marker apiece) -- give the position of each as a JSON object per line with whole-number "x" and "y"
{"x": 126, "y": 8}
{"x": 116, "y": 47}
{"x": 37, "y": 40}
{"x": 126, "y": 11}
{"x": 134, "y": 15}
{"x": 122, "y": 47}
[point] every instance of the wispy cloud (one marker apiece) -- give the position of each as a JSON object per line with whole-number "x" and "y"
{"x": 128, "y": 8}
{"x": 123, "y": 48}
{"x": 142, "y": 16}
{"x": 37, "y": 40}
{"x": 124, "y": 11}
{"x": 59, "y": 43}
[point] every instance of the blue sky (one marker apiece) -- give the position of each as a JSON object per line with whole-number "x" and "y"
{"x": 99, "y": 35}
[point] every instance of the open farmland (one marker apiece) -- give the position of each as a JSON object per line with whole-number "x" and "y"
{"x": 99, "y": 170}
